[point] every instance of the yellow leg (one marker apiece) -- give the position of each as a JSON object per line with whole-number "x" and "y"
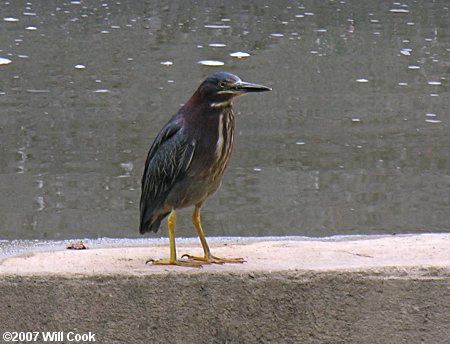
{"x": 171, "y": 221}
{"x": 208, "y": 257}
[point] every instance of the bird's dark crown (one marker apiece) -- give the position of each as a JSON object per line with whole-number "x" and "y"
{"x": 221, "y": 78}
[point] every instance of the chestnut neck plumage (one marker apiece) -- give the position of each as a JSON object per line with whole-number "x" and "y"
{"x": 212, "y": 127}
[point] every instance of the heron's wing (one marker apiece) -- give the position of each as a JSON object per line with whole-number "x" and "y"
{"x": 167, "y": 162}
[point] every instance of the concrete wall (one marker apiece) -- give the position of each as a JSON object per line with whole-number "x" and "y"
{"x": 229, "y": 303}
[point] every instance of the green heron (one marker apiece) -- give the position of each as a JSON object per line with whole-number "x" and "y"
{"x": 187, "y": 160}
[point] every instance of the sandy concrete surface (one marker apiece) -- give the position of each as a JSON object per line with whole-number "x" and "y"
{"x": 277, "y": 255}
{"x": 392, "y": 289}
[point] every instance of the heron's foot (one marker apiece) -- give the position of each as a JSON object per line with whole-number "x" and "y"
{"x": 177, "y": 262}
{"x": 212, "y": 259}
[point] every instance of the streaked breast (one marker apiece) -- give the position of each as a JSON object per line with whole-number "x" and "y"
{"x": 224, "y": 145}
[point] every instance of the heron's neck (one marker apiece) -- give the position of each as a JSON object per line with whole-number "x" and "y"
{"x": 224, "y": 104}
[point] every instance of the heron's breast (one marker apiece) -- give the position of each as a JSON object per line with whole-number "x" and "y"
{"x": 213, "y": 146}
{"x": 224, "y": 145}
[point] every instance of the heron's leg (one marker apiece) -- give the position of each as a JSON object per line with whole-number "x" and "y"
{"x": 171, "y": 221}
{"x": 208, "y": 257}
{"x": 196, "y": 220}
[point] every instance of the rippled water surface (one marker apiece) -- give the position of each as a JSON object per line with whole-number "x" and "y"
{"x": 354, "y": 138}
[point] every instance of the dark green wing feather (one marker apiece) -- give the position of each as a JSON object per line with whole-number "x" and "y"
{"x": 167, "y": 161}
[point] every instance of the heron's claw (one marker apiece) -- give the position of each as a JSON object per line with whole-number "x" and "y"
{"x": 212, "y": 259}
{"x": 186, "y": 263}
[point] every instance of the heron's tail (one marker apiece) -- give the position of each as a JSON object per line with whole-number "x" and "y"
{"x": 148, "y": 224}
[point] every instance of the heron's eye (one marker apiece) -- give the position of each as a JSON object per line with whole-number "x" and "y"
{"x": 222, "y": 84}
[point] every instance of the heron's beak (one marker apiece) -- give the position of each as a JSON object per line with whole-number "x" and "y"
{"x": 247, "y": 87}
{"x": 242, "y": 87}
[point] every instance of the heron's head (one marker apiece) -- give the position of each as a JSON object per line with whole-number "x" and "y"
{"x": 220, "y": 88}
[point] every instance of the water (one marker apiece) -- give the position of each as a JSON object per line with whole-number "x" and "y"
{"x": 353, "y": 138}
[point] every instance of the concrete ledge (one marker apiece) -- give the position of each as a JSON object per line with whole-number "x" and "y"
{"x": 341, "y": 290}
